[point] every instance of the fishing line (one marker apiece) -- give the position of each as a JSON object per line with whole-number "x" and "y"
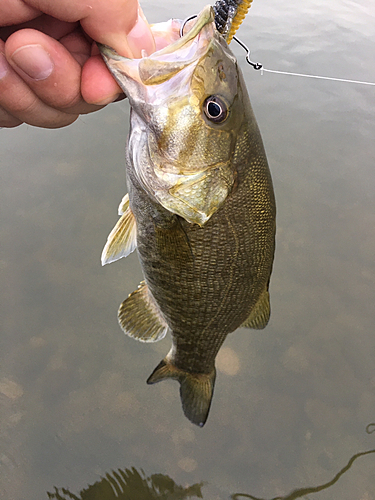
{"x": 258, "y": 66}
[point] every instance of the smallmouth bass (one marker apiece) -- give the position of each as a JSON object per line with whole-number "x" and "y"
{"x": 200, "y": 208}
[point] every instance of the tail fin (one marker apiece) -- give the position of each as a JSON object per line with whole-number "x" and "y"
{"x": 196, "y": 389}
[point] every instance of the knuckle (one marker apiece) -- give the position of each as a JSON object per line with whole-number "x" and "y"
{"x": 7, "y": 120}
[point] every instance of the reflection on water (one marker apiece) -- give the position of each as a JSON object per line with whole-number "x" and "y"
{"x": 301, "y": 492}
{"x": 129, "y": 484}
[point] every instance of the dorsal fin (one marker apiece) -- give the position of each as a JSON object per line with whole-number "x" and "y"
{"x": 140, "y": 318}
{"x": 260, "y": 314}
{"x": 196, "y": 389}
{"x": 122, "y": 240}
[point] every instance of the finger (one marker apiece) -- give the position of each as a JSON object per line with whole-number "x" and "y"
{"x": 97, "y": 84}
{"x": 119, "y": 23}
{"x": 49, "y": 69}
{"x": 7, "y": 120}
{"x": 17, "y": 100}
{"x": 78, "y": 45}
{"x": 44, "y": 23}
{"x": 16, "y": 12}
{"x": 129, "y": 34}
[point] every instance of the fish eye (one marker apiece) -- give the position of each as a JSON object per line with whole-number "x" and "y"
{"x": 215, "y": 109}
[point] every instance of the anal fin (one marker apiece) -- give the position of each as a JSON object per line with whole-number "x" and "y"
{"x": 260, "y": 314}
{"x": 122, "y": 240}
{"x": 139, "y": 316}
{"x": 196, "y": 389}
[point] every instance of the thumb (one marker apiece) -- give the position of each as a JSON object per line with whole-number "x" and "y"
{"x": 128, "y": 34}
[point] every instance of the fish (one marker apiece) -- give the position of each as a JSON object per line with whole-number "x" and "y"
{"x": 200, "y": 208}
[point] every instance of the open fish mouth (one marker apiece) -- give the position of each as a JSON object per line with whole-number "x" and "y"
{"x": 163, "y": 64}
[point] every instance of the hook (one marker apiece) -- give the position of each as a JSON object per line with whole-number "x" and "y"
{"x": 185, "y": 23}
{"x": 256, "y": 65}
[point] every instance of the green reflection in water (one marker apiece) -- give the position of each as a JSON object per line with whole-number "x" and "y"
{"x": 301, "y": 492}
{"x": 130, "y": 484}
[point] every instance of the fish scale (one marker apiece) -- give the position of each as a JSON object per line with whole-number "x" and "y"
{"x": 208, "y": 269}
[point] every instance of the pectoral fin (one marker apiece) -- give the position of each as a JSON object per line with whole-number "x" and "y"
{"x": 124, "y": 205}
{"x": 260, "y": 314}
{"x": 122, "y": 240}
{"x": 139, "y": 316}
{"x": 196, "y": 389}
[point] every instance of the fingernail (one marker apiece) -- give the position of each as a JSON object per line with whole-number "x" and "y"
{"x": 34, "y": 61}
{"x": 140, "y": 37}
{"x": 4, "y": 66}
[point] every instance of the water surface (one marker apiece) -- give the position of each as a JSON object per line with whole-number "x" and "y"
{"x": 291, "y": 402}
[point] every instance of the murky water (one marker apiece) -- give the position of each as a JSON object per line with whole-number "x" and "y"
{"x": 291, "y": 402}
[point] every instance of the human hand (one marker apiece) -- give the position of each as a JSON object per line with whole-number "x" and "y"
{"x": 50, "y": 69}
